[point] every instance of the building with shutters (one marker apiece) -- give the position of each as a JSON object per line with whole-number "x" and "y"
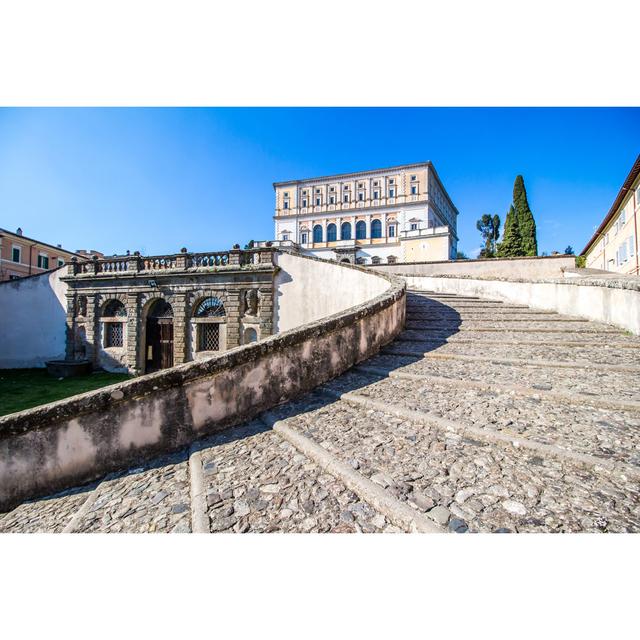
{"x": 614, "y": 245}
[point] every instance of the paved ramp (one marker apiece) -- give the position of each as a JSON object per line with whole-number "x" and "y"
{"x": 481, "y": 416}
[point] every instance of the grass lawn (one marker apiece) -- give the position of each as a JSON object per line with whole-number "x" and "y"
{"x": 25, "y": 388}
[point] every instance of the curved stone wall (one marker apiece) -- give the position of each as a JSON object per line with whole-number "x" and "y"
{"x": 611, "y": 300}
{"x": 65, "y": 443}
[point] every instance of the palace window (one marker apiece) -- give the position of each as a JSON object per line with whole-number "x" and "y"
{"x": 286, "y": 204}
{"x": 361, "y": 185}
{"x": 391, "y": 180}
{"x": 332, "y": 199}
{"x": 361, "y": 260}
{"x": 208, "y": 336}
{"x": 304, "y": 202}
{"x": 375, "y": 260}
{"x": 114, "y": 309}
{"x": 331, "y": 233}
{"x": 376, "y": 195}
{"x": 60, "y": 262}
{"x": 376, "y": 183}
{"x": 392, "y": 259}
{"x": 317, "y": 233}
{"x": 332, "y": 189}
{"x": 43, "y": 261}
{"x": 361, "y": 196}
{"x": 317, "y": 190}
{"x": 113, "y": 334}
{"x": 304, "y": 237}
{"x": 413, "y": 178}
{"x": 345, "y": 197}
{"x": 392, "y": 192}
{"x": 361, "y": 230}
{"x": 285, "y": 236}
{"x": 16, "y": 254}
{"x": 318, "y": 201}
{"x": 345, "y": 231}
{"x": 392, "y": 230}
{"x": 376, "y": 229}
{"x": 210, "y": 308}
{"x": 414, "y": 226}
{"x": 414, "y": 189}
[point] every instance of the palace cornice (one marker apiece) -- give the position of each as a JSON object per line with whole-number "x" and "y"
{"x": 358, "y": 174}
{"x": 338, "y": 213}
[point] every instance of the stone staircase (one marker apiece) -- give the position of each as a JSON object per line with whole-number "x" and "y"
{"x": 481, "y": 416}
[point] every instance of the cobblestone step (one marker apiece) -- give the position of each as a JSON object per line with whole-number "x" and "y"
{"x": 594, "y": 383}
{"x": 497, "y": 325}
{"x": 606, "y": 436}
{"x": 462, "y": 482}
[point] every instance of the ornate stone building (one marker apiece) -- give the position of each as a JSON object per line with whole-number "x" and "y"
{"x": 141, "y": 314}
{"x": 398, "y": 214}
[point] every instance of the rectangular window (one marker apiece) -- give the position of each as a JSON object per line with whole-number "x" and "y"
{"x": 346, "y": 197}
{"x": 304, "y": 202}
{"x": 392, "y": 231}
{"x": 413, "y": 178}
{"x": 286, "y": 204}
{"x": 317, "y": 202}
{"x": 392, "y": 193}
{"x": 113, "y": 334}
{"x": 332, "y": 200}
{"x": 376, "y": 195}
{"x": 43, "y": 261}
{"x": 304, "y": 238}
{"x": 414, "y": 226}
{"x": 285, "y": 236}
{"x": 16, "y": 254}
{"x": 361, "y": 196}
{"x": 414, "y": 189}
{"x": 391, "y": 181}
{"x": 208, "y": 336}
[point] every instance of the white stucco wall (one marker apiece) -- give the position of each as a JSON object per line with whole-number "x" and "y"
{"x": 307, "y": 290}
{"x": 32, "y": 320}
{"x": 592, "y": 300}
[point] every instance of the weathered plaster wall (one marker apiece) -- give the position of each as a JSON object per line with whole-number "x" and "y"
{"x": 32, "y": 320}
{"x": 307, "y": 289}
{"x": 613, "y": 301}
{"x": 531, "y": 268}
{"x": 79, "y": 439}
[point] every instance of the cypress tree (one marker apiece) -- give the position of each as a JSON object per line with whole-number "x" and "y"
{"x": 526, "y": 223}
{"x": 511, "y": 242}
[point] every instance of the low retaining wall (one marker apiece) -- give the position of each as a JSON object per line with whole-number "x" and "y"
{"x": 528, "y": 268}
{"x": 613, "y": 301}
{"x": 66, "y": 443}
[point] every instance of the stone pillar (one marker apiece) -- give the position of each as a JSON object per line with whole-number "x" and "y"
{"x": 234, "y": 257}
{"x": 265, "y": 310}
{"x": 70, "y": 335}
{"x": 92, "y": 335}
{"x": 180, "y": 324}
{"x": 232, "y": 307}
{"x": 133, "y": 333}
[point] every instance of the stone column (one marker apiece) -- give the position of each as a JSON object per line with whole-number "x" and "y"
{"x": 70, "y": 342}
{"x": 265, "y": 310}
{"x": 180, "y": 323}
{"x": 232, "y": 307}
{"x": 133, "y": 333}
{"x": 92, "y": 335}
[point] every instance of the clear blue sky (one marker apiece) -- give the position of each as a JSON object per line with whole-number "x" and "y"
{"x": 155, "y": 180}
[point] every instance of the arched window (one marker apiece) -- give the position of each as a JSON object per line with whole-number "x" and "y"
{"x": 376, "y": 229}
{"x": 317, "y": 233}
{"x": 114, "y": 309}
{"x": 114, "y": 316}
{"x": 361, "y": 230}
{"x": 210, "y": 308}
{"x": 345, "y": 231}
{"x": 332, "y": 233}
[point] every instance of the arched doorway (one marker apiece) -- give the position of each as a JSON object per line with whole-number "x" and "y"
{"x": 159, "y": 342}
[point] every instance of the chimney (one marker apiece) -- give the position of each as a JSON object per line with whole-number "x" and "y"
{"x": 19, "y": 231}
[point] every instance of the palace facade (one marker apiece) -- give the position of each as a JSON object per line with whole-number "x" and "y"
{"x": 398, "y": 214}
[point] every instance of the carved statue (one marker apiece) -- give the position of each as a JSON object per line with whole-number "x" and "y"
{"x": 251, "y": 302}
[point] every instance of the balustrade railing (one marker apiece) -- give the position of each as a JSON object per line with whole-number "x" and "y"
{"x": 181, "y": 261}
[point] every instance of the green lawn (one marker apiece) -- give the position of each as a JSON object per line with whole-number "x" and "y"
{"x": 25, "y": 388}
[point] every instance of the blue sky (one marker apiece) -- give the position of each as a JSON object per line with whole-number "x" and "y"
{"x": 155, "y": 180}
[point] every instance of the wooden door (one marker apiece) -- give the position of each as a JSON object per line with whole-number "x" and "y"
{"x": 159, "y": 347}
{"x": 166, "y": 343}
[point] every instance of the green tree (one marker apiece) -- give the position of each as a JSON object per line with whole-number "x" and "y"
{"x": 249, "y": 245}
{"x": 526, "y": 223}
{"x": 569, "y": 251}
{"x": 461, "y": 255}
{"x": 489, "y": 228}
{"x": 511, "y": 244}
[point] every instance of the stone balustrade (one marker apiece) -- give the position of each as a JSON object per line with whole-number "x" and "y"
{"x": 235, "y": 258}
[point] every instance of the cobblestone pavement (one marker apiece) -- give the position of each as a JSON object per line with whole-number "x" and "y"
{"x": 257, "y": 479}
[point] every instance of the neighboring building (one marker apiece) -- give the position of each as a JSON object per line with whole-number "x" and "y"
{"x": 614, "y": 246}
{"x": 398, "y": 214}
{"x": 21, "y": 256}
